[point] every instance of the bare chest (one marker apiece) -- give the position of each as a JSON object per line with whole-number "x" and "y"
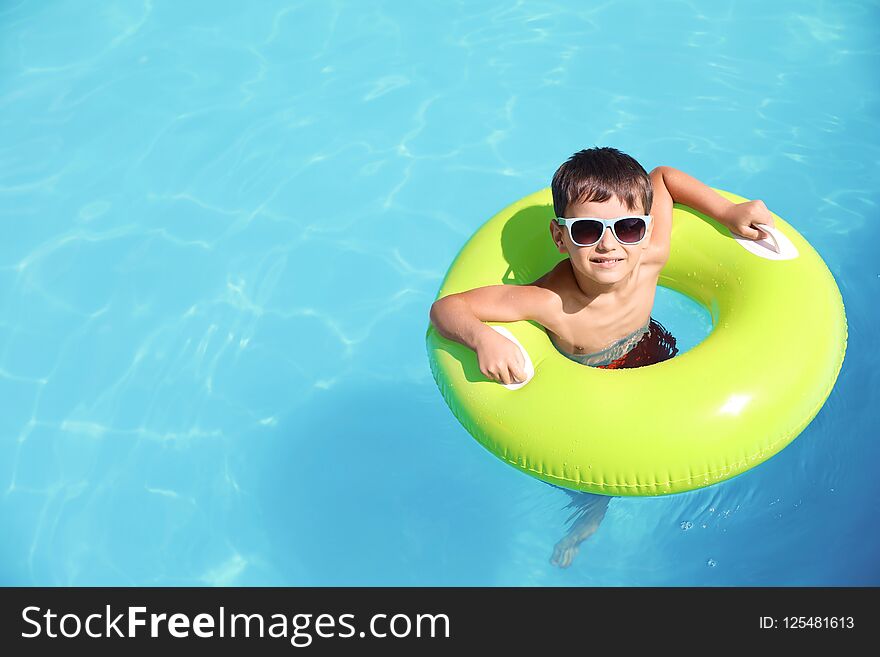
{"x": 600, "y": 324}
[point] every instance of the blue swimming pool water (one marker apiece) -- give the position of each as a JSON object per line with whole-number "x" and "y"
{"x": 225, "y": 224}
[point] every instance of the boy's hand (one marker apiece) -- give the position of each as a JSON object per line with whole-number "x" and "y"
{"x": 500, "y": 359}
{"x": 742, "y": 216}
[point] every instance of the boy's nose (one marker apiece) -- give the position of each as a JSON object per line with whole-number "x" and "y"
{"x": 608, "y": 240}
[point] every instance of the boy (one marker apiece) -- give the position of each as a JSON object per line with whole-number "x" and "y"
{"x": 596, "y": 304}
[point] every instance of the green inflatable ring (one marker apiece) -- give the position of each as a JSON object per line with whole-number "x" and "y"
{"x": 733, "y": 401}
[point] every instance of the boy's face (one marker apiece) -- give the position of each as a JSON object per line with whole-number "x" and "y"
{"x": 608, "y": 261}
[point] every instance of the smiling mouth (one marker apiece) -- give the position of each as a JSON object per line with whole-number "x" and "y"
{"x": 605, "y": 260}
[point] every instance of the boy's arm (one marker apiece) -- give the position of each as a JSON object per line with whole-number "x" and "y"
{"x": 738, "y": 217}
{"x": 661, "y": 211}
{"x": 460, "y": 316}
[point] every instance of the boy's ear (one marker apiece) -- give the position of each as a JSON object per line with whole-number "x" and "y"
{"x": 556, "y": 235}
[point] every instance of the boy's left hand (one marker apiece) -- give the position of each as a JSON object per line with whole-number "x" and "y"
{"x": 742, "y": 216}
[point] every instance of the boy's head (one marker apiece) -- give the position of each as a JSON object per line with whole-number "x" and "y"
{"x": 597, "y": 174}
{"x": 602, "y": 183}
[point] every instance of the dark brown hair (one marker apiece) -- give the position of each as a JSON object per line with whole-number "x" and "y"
{"x": 597, "y": 174}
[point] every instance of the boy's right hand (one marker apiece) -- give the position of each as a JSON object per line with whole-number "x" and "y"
{"x": 500, "y": 358}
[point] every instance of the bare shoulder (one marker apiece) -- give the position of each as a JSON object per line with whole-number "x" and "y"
{"x": 656, "y": 256}
{"x": 560, "y": 275}
{"x": 551, "y": 291}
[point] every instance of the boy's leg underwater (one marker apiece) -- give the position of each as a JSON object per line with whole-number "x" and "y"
{"x": 589, "y": 514}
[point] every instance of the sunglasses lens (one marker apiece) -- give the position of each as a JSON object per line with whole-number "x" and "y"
{"x": 630, "y": 230}
{"x": 586, "y": 231}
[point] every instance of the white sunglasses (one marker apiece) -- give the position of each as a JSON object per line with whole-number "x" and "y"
{"x": 587, "y": 231}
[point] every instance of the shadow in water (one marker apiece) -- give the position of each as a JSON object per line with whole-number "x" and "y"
{"x": 379, "y": 485}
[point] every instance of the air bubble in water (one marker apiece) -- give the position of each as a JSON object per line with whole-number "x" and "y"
{"x": 711, "y": 563}
{"x": 686, "y": 525}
